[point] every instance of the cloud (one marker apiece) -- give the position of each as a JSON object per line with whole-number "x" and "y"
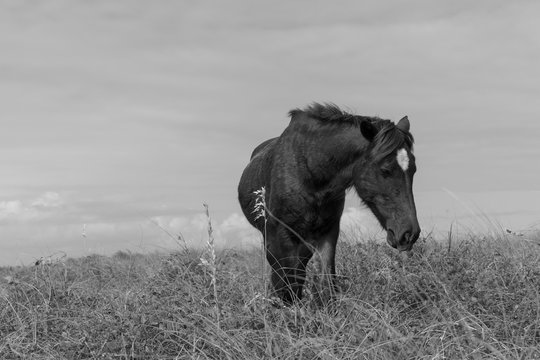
{"x": 36, "y": 209}
{"x": 12, "y": 208}
{"x": 48, "y": 200}
{"x": 235, "y": 222}
{"x": 233, "y": 231}
{"x": 237, "y": 232}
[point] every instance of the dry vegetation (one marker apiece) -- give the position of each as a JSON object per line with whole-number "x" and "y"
{"x": 476, "y": 299}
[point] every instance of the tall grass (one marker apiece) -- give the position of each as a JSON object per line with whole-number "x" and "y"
{"x": 474, "y": 298}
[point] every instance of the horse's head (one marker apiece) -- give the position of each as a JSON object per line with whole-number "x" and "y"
{"x": 383, "y": 179}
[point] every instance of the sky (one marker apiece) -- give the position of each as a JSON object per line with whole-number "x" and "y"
{"x": 121, "y": 118}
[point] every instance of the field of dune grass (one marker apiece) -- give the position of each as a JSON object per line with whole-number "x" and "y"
{"x": 475, "y": 297}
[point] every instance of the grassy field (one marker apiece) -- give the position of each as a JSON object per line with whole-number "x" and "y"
{"x": 470, "y": 298}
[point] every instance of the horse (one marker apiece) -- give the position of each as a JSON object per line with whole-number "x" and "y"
{"x": 301, "y": 178}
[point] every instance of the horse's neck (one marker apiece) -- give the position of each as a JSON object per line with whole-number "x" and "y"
{"x": 328, "y": 155}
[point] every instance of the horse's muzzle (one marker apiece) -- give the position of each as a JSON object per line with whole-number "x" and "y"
{"x": 405, "y": 240}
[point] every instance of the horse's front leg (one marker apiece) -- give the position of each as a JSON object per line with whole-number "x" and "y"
{"x": 325, "y": 255}
{"x": 288, "y": 257}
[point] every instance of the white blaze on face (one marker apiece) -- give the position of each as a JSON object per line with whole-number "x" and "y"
{"x": 403, "y": 159}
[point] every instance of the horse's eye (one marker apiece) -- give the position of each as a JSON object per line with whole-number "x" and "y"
{"x": 386, "y": 172}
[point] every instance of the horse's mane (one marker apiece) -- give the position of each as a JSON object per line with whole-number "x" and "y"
{"x": 329, "y": 113}
{"x": 389, "y": 137}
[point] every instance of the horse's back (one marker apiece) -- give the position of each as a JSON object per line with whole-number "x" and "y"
{"x": 255, "y": 175}
{"x": 263, "y": 147}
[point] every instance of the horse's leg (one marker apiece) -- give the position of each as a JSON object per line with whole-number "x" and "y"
{"x": 288, "y": 257}
{"x": 325, "y": 254}
{"x": 304, "y": 254}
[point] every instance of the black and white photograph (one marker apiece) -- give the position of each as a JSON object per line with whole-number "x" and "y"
{"x": 269, "y": 180}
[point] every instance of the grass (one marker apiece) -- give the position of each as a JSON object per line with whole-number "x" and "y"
{"x": 473, "y": 298}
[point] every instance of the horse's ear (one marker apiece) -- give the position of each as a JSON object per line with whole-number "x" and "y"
{"x": 368, "y": 130}
{"x": 404, "y": 124}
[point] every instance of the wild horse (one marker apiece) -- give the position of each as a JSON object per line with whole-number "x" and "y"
{"x": 306, "y": 171}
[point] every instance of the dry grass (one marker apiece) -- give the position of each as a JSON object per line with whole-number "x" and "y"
{"x": 478, "y": 299}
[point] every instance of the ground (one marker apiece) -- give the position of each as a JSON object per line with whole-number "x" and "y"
{"x": 476, "y": 297}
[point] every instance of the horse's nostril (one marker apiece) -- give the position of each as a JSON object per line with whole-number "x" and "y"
{"x": 406, "y": 237}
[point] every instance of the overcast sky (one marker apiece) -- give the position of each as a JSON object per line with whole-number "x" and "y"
{"x": 121, "y": 118}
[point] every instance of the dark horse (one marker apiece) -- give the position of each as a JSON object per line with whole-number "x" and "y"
{"x": 306, "y": 171}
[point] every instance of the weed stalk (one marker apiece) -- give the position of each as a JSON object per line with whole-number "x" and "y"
{"x": 211, "y": 262}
